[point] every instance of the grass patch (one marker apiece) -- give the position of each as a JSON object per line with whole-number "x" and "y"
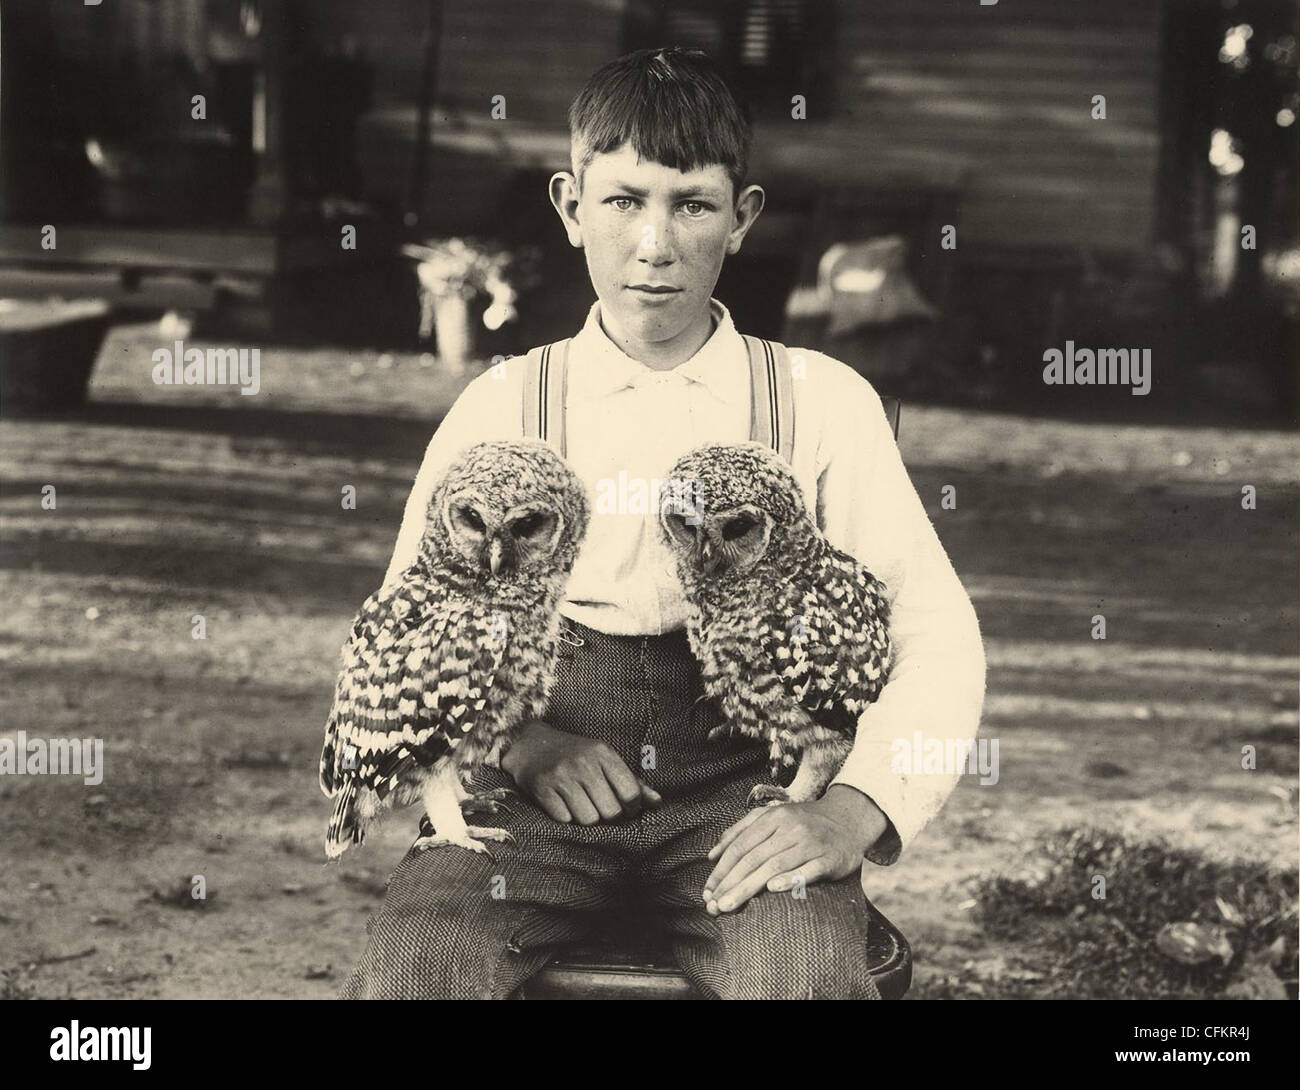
{"x": 1089, "y": 947}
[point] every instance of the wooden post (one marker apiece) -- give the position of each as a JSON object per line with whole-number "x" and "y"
{"x": 269, "y": 196}
{"x": 428, "y": 85}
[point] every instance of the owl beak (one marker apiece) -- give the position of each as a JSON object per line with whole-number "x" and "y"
{"x": 495, "y": 555}
{"x": 708, "y": 557}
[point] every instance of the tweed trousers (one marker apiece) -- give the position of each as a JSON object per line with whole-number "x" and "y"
{"x": 459, "y": 925}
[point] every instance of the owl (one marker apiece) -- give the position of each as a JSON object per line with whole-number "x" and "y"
{"x": 791, "y": 634}
{"x": 444, "y": 665}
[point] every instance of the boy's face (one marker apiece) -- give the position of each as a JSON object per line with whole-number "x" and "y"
{"x": 655, "y": 239}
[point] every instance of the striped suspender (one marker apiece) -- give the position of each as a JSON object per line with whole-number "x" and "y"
{"x": 770, "y": 381}
{"x": 771, "y": 385}
{"x": 546, "y": 382}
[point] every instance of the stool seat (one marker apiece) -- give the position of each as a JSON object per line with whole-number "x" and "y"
{"x": 631, "y": 963}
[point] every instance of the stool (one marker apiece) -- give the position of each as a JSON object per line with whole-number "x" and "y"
{"x": 622, "y": 965}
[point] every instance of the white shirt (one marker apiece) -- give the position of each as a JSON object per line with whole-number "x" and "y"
{"x": 627, "y": 424}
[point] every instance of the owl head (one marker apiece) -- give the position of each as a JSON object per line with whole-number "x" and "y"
{"x": 725, "y": 506}
{"x": 506, "y": 511}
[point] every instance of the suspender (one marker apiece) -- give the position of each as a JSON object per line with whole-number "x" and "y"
{"x": 771, "y": 385}
{"x": 546, "y": 374}
{"x": 546, "y": 382}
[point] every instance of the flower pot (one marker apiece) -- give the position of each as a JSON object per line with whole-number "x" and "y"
{"x": 455, "y": 332}
{"x": 47, "y": 352}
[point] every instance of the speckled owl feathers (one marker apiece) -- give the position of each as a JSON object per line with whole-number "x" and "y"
{"x": 791, "y": 633}
{"x": 444, "y": 664}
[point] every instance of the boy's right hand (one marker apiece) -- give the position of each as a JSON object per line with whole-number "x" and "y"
{"x": 575, "y": 779}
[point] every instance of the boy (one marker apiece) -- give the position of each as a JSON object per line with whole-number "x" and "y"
{"x": 621, "y": 793}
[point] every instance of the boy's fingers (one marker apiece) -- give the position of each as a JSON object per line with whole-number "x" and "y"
{"x": 602, "y": 797}
{"x": 626, "y": 786}
{"x": 554, "y": 806}
{"x": 813, "y": 871}
{"x": 754, "y": 882}
{"x": 584, "y": 813}
{"x": 733, "y": 832}
{"x": 649, "y": 794}
{"x": 740, "y": 846}
{"x": 758, "y": 860}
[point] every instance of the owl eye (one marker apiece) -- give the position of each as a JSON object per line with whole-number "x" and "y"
{"x": 738, "y": 527}
{"x": 529, "y": 524}
{"x": 470, "y": 517}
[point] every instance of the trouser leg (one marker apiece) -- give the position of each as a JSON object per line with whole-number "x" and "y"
{"x": 457, "y": 924}
{"x": 807, "y": 943}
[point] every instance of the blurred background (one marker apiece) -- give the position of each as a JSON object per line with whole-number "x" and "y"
{"x": 431, "y": 127}
{"x": 920, "y": 113}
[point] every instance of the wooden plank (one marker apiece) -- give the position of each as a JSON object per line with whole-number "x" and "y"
{"x": 1124, "y": 43}
{"x": 1009, "y": 88}
{"x": 252, "y": 252}
{"x": 1018, "y": 19}
{"x": 160, "y": 292}
{"x": 25, "y": 317}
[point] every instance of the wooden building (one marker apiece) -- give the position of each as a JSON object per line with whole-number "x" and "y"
{"x": 995, "y": 101}
{"x": 1063, "y": 141}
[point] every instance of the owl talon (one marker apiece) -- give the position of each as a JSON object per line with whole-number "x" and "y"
{"x": 768, "y": 794}
{"x": 470, "y": 840}
{"x": 486, "y": 832}
{"x": 425, "y": 843}
{"x": 484, "y": 806}
{"x": 723, "y": 733}
{"x": 489, "y": 802}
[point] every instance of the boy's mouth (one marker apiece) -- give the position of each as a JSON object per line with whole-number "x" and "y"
{"x": 654, "y": 289}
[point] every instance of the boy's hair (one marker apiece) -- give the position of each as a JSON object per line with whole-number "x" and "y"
{"x": 674, "y": 107}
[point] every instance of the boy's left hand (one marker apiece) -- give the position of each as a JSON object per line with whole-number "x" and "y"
{"x": 770, "y": 846}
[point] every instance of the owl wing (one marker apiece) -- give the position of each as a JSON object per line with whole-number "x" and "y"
{"x": 449, "y": 708}
{"x": 416, "y": 674}
{"x": 829, "y": 645}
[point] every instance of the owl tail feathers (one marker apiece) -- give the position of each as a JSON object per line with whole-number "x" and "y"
{"x": 344, "y": 828}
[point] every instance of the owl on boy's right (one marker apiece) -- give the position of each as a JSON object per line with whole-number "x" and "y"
{"x": 444, "y": 666}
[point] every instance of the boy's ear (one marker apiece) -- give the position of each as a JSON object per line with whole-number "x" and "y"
{"x": 748, "y": 205}
{"x": 564, "y": 196}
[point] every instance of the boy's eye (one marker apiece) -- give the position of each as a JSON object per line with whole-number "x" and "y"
{"x": 693, "y": 209}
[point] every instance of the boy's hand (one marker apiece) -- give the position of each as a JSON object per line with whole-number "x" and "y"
{"x": 575, "y": 779}
{"x": 770, "y": 846}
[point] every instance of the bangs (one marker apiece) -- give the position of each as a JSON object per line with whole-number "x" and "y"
{"x": 671, "y": 105}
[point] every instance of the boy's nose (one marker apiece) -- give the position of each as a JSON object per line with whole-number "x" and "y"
{"x": 658, "y": 246}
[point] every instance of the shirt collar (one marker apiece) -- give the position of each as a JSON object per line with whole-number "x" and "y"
{"x": 604, "y": 368}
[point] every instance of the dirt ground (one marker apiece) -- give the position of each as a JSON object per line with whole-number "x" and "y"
{"x": 176, "y": 502}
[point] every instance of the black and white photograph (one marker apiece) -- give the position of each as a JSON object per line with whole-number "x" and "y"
{"x": 652, "y": 500}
